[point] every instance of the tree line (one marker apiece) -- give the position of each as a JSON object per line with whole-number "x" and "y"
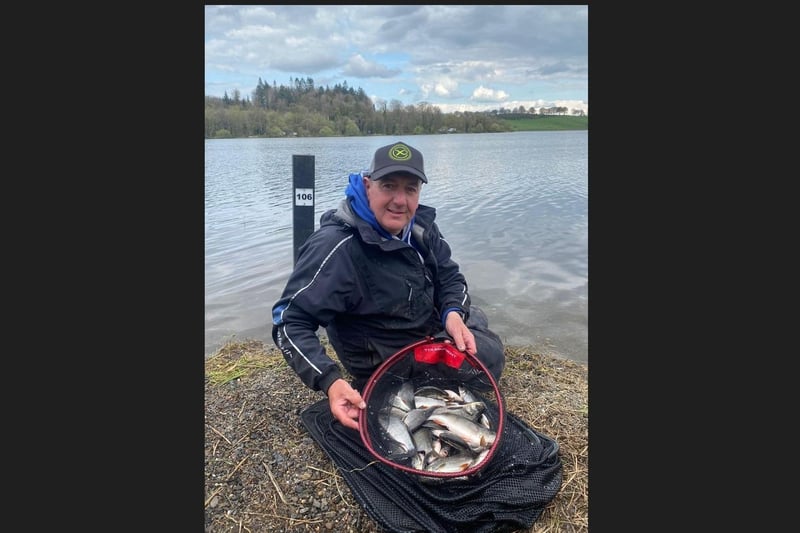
{"x": 303, "y": 110}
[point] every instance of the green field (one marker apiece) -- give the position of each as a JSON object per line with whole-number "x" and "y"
{"x": 547, "y": 123}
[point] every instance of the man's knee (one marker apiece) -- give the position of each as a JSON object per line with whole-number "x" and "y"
{"x": 490, "y": 348}
{"x": 477, "y": 319}
{"x": 490, "y": 352}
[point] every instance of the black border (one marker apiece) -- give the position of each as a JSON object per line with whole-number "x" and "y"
{"x": 117, "y": 285}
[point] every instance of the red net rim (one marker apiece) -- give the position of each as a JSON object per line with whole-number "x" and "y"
{"x": 448, "y": 354}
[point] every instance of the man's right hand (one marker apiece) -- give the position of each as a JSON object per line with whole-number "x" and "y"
{"x": 345, "y": 403}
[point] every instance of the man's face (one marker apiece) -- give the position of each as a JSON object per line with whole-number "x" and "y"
{"x": 393, "y": 200}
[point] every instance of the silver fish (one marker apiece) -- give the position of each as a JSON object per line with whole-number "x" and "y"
{"x": 471, "y": 411}
{"x": 423, "y": 402}
{"x": 467, "y": 394}
{"x": 438, "y": 446}
{"x": 398, "y": 433}
{"x": 475, "y": 435}
{"x": 423, "y": 440}
{"x": 404, "y": 397}
{"x": 440, "y": 394}
{"x": 480, "y": 457}
{"x": 416, "y": 417}
{"x": 455, "y": 463}
{"x": 444, "y": 448}
{"x": 429, "y": 424}
{"x": 451, "y": 439}
{"x": 418, "y": 461}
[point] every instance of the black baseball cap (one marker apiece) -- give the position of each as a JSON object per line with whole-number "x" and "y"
{"x": 397, "y": 157}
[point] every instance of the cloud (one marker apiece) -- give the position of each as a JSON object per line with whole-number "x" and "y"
{"x": 444, "y": 87}
{"x": 514, "y": 104}
{"x": 482, "y": 94}
{"x": 361, "y": 68}
{"x": 482, "y": 55}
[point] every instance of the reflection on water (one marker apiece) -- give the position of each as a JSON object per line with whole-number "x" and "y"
{"x": 513, "y": 206}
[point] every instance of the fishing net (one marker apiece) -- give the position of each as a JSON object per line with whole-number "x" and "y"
{"x": 505, "y": 492}
{"x": 413, "y": 383}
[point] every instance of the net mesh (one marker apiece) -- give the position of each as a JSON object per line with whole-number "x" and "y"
{"x": 506, "y": 491}
{"x": 508, "y": 494}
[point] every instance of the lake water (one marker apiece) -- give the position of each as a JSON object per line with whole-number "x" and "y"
{"x": 513, "y": 206}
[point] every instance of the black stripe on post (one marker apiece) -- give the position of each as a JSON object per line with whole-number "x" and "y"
{"x": 303, "y": 176}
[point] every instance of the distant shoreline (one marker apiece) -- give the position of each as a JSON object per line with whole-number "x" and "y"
{"x": 515, "y": 124}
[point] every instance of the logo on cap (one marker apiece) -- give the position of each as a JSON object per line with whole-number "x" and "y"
{"x": 400, "y": 152}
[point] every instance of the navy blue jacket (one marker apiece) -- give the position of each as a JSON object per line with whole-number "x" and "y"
{"x": 372, "y": 295}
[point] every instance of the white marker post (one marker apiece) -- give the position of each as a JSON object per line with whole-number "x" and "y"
{"x": 303, "y": 176}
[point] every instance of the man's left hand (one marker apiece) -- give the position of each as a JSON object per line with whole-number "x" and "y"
{"x": 462, "y": 336}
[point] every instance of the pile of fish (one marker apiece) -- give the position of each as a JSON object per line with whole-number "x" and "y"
{"x": 439, "y": 430}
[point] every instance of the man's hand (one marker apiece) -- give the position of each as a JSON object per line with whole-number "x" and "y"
{"x": 346, "y": 403}
{"x": 462, "y": 336}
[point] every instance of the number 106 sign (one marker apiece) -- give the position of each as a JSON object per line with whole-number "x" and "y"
{"x": 304, "y": 197}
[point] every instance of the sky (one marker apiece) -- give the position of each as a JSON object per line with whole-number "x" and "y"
{"x": 457, "y": 58}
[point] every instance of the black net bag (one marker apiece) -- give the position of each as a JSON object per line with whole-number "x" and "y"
{"x": 506, "y": 492}
{"x": 433, "y": 411}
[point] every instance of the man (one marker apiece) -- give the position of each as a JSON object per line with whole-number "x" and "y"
{"x": 377, "y": 275}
